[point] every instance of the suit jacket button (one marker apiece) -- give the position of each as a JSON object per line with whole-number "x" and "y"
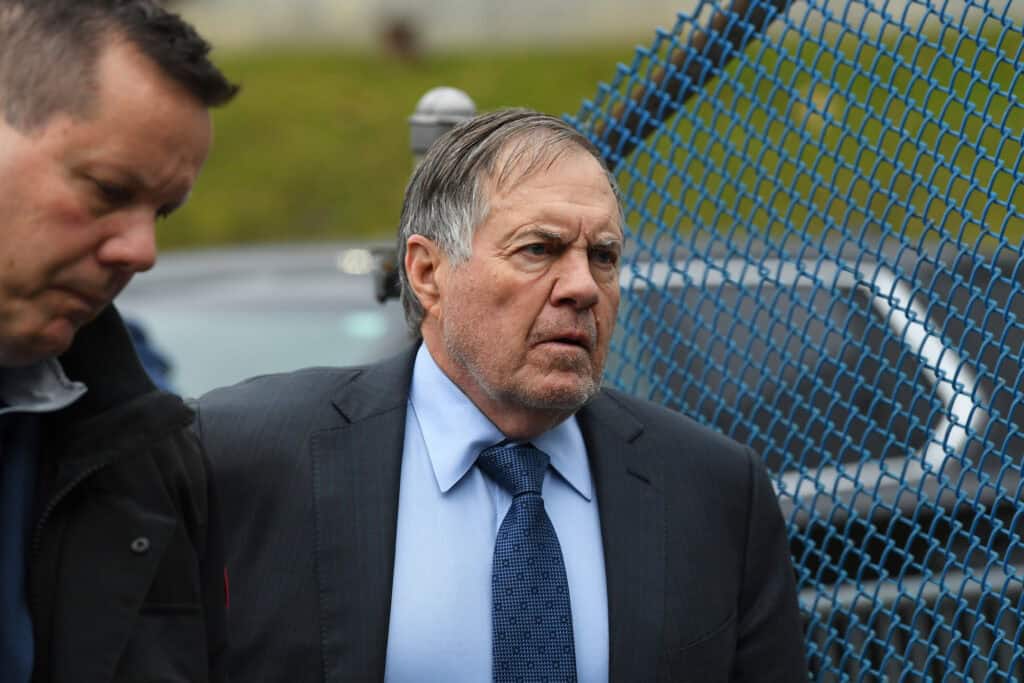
{"x": 140, "y": 546}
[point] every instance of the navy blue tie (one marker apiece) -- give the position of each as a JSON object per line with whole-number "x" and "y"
{"x": 531, "y": 618}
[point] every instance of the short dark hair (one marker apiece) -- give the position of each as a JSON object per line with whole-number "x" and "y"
{"x": 49, "y": 50}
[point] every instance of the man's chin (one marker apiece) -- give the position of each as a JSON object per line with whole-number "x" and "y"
{"x": 27, "y": 349}
{"x": 559, "y": 394}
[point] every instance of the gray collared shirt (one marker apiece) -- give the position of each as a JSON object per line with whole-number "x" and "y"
{"x": 39, "y": 388}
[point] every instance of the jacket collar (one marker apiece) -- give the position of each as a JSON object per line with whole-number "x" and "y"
{"x": 377, "y": 389}
{"x": 103, "y": 358}
{"x": 122, "y": 405}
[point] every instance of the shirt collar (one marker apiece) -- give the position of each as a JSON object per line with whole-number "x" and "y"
{"x": 455, "y": 431}
{"x": 39, "y": 388}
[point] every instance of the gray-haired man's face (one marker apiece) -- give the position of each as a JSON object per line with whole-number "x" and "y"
{"x": 525, "y": 323}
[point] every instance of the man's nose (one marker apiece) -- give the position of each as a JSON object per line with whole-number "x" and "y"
{"x": 575, "y": 284}
{"x": 133, "y": 246}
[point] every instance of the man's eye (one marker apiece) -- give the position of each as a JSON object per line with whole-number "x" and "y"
{"x": 606, "y": 257}
{"x": 113, "y": 194}
{"x": 536, "y": 249}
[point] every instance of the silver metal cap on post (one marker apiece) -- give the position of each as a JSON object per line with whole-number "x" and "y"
{"x": 437, "y": 112}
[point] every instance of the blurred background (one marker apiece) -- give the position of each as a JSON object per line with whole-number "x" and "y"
{"x": 269, "y": 266}
{"x": 317, "y": 144}
{"x": 825, "y": 258}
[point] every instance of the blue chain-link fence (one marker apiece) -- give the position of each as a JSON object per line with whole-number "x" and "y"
{"x": 825, "y": 209}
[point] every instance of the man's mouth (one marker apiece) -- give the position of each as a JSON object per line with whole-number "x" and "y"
{"x": 581, "y": 341}
{"x": 88, "y": 300}
{"x": 97, "y": 294}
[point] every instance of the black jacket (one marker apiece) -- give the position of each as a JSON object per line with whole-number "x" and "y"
{"x": 126, "y": 565}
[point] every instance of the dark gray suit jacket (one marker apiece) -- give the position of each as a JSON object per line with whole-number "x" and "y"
{"x": 700, "y": 585}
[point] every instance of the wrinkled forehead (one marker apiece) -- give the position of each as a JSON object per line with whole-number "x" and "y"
{"x": 10, "y": 14}
{"x": 527, "y": 155}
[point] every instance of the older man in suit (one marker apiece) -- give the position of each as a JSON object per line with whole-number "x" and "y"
{"x": 480, "y": 508}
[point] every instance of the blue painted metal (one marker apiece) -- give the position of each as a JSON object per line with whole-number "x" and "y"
{"x": 825, "y": 262}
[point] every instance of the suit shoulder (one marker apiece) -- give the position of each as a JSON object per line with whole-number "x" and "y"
{"x": 253, "y": 432}
{"x": 268, "y": 412}
{"x": 685, "y": 446}
{"x": 668, "y": 423}
{"x": 297, "y": 389}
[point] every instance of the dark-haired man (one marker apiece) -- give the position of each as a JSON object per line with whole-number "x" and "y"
{"x": 479, "y": 508}
{"x": 111, "y": 566}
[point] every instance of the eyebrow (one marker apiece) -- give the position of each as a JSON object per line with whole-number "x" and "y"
{"x": 137, "y": 183}
{"x": 549, "y": 235}
{"x": 117, "y": 174}
{"x": 611, "y": 243}
{"x": 543, "y": 233}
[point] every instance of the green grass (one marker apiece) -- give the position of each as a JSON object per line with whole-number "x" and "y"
{"x": 910, "y": 136}
{"x": 317, "y": 144}
{"x": 800, "y": 137}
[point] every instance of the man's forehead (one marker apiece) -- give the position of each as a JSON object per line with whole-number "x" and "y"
{"x": 596, "y": 195}
{"x": 10, "y": 14}
{"x": 526, "y": 156}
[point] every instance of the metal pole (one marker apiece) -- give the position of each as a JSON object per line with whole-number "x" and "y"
{"x": 692, "y": 65}
{"x": 436, "y": 113}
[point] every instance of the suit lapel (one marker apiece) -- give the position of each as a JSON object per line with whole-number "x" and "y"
{"x": 633, "y": 532}
{"x": 356, "y": 470}
{"x": 356, "y": 474}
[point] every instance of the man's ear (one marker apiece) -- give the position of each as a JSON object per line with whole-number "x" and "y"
{"x": 424, "y": 263}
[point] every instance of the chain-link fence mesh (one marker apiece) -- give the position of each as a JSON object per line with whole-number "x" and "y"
{"x": 824, "y": 203}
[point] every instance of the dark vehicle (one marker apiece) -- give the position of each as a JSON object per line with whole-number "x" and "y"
{"x": 868, "y": 388}
{"x": 844, "y": 351}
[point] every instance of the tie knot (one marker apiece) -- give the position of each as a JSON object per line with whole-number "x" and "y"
{"x": 517, "y": 469}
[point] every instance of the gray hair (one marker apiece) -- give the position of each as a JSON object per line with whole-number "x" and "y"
{"x": 49, "y": 50}
{"x": 447, "y": 199}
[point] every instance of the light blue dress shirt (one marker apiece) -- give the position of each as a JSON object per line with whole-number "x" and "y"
{"x": 448, "y": 519}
